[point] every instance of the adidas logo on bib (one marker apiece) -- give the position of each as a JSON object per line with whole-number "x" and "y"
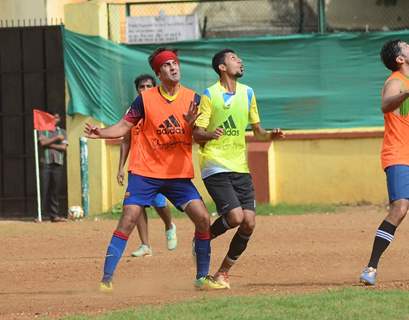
{"x": 170, "y": 126}
{"x": 230, "y": 128}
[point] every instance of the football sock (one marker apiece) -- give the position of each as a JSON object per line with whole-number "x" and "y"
{"x": 384, "y": 236}
{"x": 219, "y": 226}
{"x": 114, "y": 253}
{"x": 202, "y": 249}
{"x": 237, "y": 245}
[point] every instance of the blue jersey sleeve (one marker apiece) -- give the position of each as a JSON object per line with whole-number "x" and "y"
{"x": 197, "y": 99}
{"x": 136, "y": 111}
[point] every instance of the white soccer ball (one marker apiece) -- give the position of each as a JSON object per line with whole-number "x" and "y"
{"x": 75, "y": 212}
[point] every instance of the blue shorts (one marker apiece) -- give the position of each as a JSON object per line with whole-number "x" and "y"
{"x": 397, "y": 178}
{"x": 142, "y": 191}
{"x": 159, "y": 201}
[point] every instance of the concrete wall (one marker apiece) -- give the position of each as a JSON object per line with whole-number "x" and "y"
{"x": 99, "y": 164}
{"x": 22, "y": 9}
{"x": 324, "y": 167}
{"x": 34, "y": 9}
{"x": 367, "y": 14}
{"x": 88, "y": 18}
{"x": 329, "y": 171}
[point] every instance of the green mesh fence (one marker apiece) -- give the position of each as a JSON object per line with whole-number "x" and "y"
{"x": 300, "y": 81}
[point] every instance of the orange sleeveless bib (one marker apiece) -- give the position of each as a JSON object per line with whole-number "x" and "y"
{"x": 395, "y": 148}
{"x": 163, "y": 147}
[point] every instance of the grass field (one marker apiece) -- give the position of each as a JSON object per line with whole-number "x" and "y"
{"x": 351, "y": 303}
{"x": 263, "y": 209}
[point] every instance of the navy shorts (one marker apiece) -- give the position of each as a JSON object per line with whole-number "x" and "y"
{"x": 142, "y": 191}
{"x": 397, "y": 178}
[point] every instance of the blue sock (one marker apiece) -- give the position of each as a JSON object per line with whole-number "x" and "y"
{"x": 202, "y": 248}
{"x": 114, "y": 253}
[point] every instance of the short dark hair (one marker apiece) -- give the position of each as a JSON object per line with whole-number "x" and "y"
{"x": 390, "y": 51}
{"x": 219, "y": 58}
{"x": 144, "y": 77}
{"x": 157, "y": 51}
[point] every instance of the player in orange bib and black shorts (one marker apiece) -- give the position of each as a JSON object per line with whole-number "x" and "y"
{"x": 163, "y": 163}
{"x": 395, "y": 149}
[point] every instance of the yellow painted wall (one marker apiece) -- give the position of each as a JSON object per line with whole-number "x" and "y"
{"x": 55, "y": 8}
{"x": 98, "y": 167}
{"x": 34, "y": 9}
{"x": 88, "y": 18}
{"x": 115, "y": 190}
{"x": 22, "y": 9}
{"x": 329, "y": 171}
{"x": 198, "y": 182}
{"x": 272, "y": 173}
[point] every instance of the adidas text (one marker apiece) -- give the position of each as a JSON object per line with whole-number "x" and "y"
{"x": 231, "y": 132}
{"x": 170, "y": 131}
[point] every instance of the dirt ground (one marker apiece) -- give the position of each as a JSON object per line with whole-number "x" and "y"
{"x": 54, "y": 269}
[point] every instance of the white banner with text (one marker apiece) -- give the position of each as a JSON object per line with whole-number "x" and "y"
{"x": 161, "y": 29}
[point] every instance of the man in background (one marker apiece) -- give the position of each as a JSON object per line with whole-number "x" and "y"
{"x": 53, "y": 145}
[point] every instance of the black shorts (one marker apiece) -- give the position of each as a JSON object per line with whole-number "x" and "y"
{"x": 231, "y": 190}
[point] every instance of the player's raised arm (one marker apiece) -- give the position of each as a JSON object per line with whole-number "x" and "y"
{"x": 118, "y": 130}
{"x": 192, "y": 114}
{"x": 393, "y": 95}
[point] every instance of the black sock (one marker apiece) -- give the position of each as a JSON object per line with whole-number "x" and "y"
{"x": 219, "y": 226}
{"x": 384, "y": 236}
{"x": 237, "y": 246}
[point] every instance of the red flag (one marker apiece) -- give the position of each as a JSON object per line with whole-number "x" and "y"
{"x": 43, "y": 120}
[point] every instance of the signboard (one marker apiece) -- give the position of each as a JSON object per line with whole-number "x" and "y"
{"x": 161, "y": 29}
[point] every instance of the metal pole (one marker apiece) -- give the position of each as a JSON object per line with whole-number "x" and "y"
{"x": 84, "y": 175}
{"x": 321, "y": 16}
{"x": 37, "y": 176}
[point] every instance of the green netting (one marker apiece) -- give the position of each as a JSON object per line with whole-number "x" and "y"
{"x": 301, "y": 81}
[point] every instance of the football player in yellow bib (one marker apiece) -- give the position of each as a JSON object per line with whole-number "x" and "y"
{"x": 226, "y": 109}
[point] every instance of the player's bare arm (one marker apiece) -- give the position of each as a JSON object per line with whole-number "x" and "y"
{"x": 124, "y": 152}
{"x": 118, "y": 130}
{"x": 264, "y": 135}
{"x": 201, "y": 135}
{"x": 393, "y": 95}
